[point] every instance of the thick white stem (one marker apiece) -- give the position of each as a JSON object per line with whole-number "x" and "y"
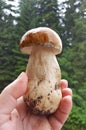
{"x": 44, "y": 94}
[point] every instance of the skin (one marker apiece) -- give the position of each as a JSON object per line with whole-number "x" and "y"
{"x": 14, "y": 114}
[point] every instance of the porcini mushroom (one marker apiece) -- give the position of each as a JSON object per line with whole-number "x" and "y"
{"x": 44, "y": 94}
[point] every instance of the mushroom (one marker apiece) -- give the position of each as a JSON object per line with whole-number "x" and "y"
{"x": 44, "y": 93}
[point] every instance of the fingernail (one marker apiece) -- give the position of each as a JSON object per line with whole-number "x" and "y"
{"x": 21, "y": 75}
{"x": 64, "y": 83}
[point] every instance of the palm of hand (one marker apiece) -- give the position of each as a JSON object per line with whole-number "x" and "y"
{"x": 21, "y": 119}
{"x": 15, "y": 116}
{"x": 24, "y": 120}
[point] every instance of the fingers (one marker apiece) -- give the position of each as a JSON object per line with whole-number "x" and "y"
{"x": 61, "y": 114}
{"x": 65, "y": 90}
{"x": 64, "y": 109}
{"x": 66, "y": 102}
{"x": 9, "y": 96}
{"x": 21, "y": 108}
{"x": 63, "y": 83}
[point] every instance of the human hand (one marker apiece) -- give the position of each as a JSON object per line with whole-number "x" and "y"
{"x": 14, "y": 114}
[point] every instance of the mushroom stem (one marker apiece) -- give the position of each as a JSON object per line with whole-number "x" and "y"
{"x": 43, "y": 71}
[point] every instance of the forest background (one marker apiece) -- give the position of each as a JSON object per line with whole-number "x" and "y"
{"x": 68, "y": 19}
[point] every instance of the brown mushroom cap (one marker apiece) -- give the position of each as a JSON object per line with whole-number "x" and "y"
{"x": 41, "y": 36}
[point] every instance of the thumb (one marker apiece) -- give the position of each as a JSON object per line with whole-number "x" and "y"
{"x": 9, "y": 96}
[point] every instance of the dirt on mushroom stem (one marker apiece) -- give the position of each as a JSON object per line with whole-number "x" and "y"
{"x": 44, "y": 94}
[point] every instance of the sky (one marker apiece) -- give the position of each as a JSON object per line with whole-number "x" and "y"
{"x": 15, "y": 2}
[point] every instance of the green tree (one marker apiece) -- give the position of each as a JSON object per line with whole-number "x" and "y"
{"x": 27, "y": 17}
{"x": 73, "y": 59}
{"x": 72, "y": 11}
{"x": 34, "y": 13}
{"x": 7, "y": 40}
{"x": 2, "y": 38}
{"x": 73, "y": 66}
{"x": 48, "y": 13}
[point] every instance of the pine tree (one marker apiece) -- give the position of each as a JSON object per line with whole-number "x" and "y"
{"x": 71, "y": 12}
{"x": 7, "y": 43}
{"x": 26, "y": 20}
{"x": 73, "y": 60}
{"x": 48, "y": 14}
